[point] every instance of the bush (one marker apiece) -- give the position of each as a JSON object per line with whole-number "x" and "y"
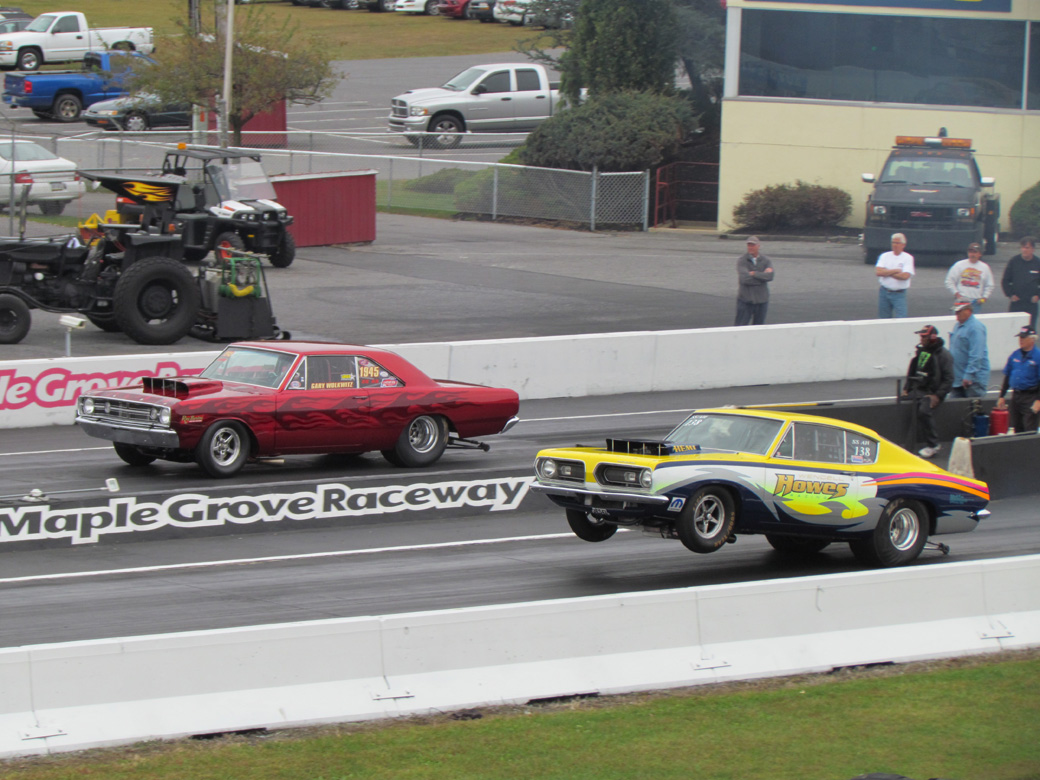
{"x": 443, "y": 181}
{"x": 1025, "y": 214}
{"x": 785, "y": 206}
{"x": 623, "y": 131}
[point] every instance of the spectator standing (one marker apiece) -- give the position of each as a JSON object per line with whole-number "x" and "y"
{"x": 894, "y": 271}
{"x": 971, "y": 279}
{"x": 968, "y": 345}
{"x": 929, "y": 378}
{"x": 1022, "y": 377}
{"x": 1021, "y": 280}
{"x": 754, "y": 273}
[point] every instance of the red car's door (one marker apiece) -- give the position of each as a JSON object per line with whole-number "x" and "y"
{"x": 322, "y": 408}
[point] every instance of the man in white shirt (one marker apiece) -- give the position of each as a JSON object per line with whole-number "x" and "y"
{"x": 894, "y": 270}
{"x": 971, "y": 279}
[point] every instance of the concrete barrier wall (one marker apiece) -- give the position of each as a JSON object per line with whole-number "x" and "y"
{"x": 85, "y": 694}
{"x": 43, "y": 392}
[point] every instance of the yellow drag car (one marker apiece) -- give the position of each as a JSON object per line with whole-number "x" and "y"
{"x": 802, "y": 481}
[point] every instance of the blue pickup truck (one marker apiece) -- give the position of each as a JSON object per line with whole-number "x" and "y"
{"x": 63, "y": 95}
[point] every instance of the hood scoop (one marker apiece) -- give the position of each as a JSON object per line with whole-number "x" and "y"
{"x": 179, "y": 388}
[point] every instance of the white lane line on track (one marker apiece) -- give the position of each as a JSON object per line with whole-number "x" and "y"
{"x": 280, "y": 558}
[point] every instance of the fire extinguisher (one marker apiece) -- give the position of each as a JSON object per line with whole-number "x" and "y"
{"x": 998, "y": 421}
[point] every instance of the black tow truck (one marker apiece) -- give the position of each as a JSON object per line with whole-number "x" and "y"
{"x": 930, "y": 189}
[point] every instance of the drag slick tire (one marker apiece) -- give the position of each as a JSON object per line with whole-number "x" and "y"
{"x": 707, "y": 520}
{"x": 14, "y": 319}
{"x": 223, "y": 449}
{"x": 588, "y": 528}
{"x": 156, "y": 301}
{"x": 132, "y": 456}
{"x": 421, "y": 443}
{"x": 899, "y": 537}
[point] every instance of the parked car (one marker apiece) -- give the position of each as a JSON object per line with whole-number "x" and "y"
{"x": 484, "y": 10}
{"x": 13, "y": 25}
{"x": 427, "y": 7}
{"x": 137, "y": 113}
{"x": 496, "y": 98}
{"x": 62, "y": 94}
{"x": 65, "y": 37}
{"x": 52, "y": 181}
{"x": 453, "y": 9}
{"x": 801, "y": 481}
{"x": 265, "y": 399}
{"x": 519, "y": 12}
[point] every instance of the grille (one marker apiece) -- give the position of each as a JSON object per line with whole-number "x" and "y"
{"x": 398, "y": 108}
{"x": 125, "y": 412}
{"x": 927, "y": 217}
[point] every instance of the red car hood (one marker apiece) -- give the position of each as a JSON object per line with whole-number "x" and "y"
{"x": 181, "y": 388}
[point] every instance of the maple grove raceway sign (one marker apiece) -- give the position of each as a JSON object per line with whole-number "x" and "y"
{"x": 178, "y": 515}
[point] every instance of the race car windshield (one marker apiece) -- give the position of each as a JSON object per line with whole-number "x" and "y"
{"x": 736, "y": 433}
{"x": 250, "y": 366}
{"x": 241, "y": 180}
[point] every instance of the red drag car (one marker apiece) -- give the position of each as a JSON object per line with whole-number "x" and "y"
{"x": 455, "y": 9}
{"x": 269, "y": 399}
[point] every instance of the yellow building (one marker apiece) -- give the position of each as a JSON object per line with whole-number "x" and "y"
{"x": 819, "y": 91}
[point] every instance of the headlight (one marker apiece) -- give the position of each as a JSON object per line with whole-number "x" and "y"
{"x": 625, "y": 476}
{"x": 164, "y": 416}
{"x": 418, "y": 111}
{"x": 880, "y": 210}
{"x": 547, "y": 468}
{"x": 105, "y": 113}
{"x": 86, "y": 405}
{"x": 646, "y": 478}
{"x": 6, "y": 46}
{"x": 965, "y": 213}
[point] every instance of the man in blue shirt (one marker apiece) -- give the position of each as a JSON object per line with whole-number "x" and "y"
{"x": 968, "y": 345}
{"x": 1022, "y": 376}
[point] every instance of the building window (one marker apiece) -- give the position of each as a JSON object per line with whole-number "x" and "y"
{"x": 1034, "y": 67}
{"x": 885, "y": 59}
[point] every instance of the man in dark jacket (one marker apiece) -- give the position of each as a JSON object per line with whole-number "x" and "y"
{"x": 929, "y": 378}
{"x": 1021, "y": 280}
{"x": 754, "y": 273}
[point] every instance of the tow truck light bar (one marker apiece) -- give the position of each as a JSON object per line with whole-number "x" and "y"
{"x": 920, "y": 140}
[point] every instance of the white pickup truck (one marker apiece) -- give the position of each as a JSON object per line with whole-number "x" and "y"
{"x": 62, "y": 36}
{"x": 497, "y": 98}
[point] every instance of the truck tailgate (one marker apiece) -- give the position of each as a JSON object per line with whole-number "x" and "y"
{"x": 14, "y": 84}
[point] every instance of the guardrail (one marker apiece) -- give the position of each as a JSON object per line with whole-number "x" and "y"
{"x": 44, "y": 392}
{"x": 78, "y": 695}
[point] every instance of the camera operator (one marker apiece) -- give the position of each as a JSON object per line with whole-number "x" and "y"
{"x": 929, "y": 378}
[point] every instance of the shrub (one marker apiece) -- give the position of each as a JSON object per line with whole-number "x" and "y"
{"x": 443, "y": 181}
{"x": 1025, "y": 214}
{"x": 786, "y": 206}
{"x": 623, "y": 131}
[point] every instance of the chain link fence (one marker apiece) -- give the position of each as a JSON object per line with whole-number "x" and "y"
{"x": 416, "y": 174}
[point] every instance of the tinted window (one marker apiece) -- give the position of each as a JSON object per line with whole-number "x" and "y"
{"x": 67, "y": 24}
{"x": 371, "y": 374}
{"x": 883, "y": 59}
{"x": 820, "y": 443}
{"x": 860, "y": 449}
{"x": 527, "y": 80}
{"x": 497, "y": 82}
{"x": 331, "y": 372}
{"x": 1034, "y": 67}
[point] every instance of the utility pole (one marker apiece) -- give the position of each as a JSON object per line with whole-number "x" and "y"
{"x": 198, "y": 113}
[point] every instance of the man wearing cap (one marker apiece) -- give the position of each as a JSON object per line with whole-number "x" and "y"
{"x": 1021, "y": 280}
{"x": 894, "y": 270}
{"x": 754, "y": 273}
{"x": 968, "y": 345}
{"x": 928, "y": 379}
{"x": 1022, "y": 377}
{"x": 971, "y": 279}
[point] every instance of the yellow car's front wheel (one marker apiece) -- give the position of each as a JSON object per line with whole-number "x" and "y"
{"x": 707, "y": 520}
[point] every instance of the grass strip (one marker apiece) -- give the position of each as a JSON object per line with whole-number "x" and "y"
{"x": 975, "y": 718}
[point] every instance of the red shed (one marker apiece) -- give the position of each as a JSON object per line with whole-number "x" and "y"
{"x": 330, "y": 208}
{"x": 267, "y": 129}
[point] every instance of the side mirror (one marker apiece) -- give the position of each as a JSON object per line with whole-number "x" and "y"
{"x": 867, "y": 177}
{"x": 480, "y": 89}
